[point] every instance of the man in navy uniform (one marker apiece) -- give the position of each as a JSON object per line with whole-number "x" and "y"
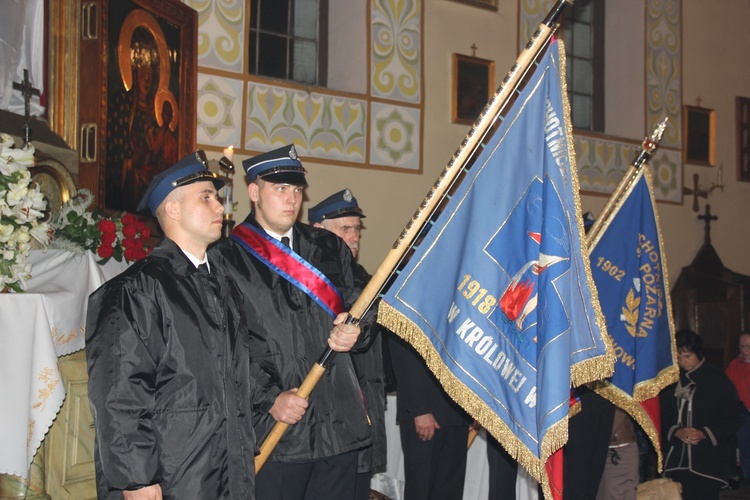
{"x": 297, "y": 280}
{"x": 168, "y": 358}
{"x": 340, "y": 214}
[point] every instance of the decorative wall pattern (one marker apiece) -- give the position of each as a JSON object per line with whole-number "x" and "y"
{"x": 221, "y": 40}
{"x": 602, "y": 161}
{"x": 219, "y": 111}
{"x": 395, "y": 136}
{"x": 396, "y": 50}
{"x": 320, "y": 125}
{"x": 664, "y": 69}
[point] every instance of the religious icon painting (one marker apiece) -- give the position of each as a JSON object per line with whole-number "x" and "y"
{"x": 142, "y": 107}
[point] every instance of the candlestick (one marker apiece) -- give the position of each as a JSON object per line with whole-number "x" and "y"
{"x": 228, "y": 200}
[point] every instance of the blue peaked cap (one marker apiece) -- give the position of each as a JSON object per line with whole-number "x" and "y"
{"x": 341, "y": 204}
{"x": 280, "y": 166}
{"x": 192, "y": 168}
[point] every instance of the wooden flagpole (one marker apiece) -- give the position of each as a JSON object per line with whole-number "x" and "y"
{"x": 471, "y": 142}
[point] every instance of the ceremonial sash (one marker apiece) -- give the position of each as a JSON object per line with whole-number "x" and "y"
{"x": 285, "y": 262}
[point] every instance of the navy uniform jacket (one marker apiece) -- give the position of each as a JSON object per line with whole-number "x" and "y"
{"x": 289, "y": 332}
{"x": 168, "y": 365}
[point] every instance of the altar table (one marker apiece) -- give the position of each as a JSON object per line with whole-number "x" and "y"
{"x": 36, "y": 327}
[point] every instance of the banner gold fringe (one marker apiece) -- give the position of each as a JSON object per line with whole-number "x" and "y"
{"x": 601, "y": 366}
{"x": 581, "y": 373}
{"x": 648, "y": 388}
{"x": 555, "y": 437}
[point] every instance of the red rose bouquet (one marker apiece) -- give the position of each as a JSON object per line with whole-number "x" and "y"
{"x": 78, "y": 230}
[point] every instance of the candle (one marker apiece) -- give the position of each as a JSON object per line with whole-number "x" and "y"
{"x": 229, "y": 152}
{"x": 719, "y": 175}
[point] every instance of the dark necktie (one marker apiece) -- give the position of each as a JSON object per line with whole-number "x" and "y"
{"x": 285, "y": 240}
{"x": 203, "y": 268}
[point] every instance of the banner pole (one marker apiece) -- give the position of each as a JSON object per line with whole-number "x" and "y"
{"x": 471, "y": 142}
{"x": 648, "y": 146}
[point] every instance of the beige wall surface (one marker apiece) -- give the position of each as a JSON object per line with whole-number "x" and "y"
{"x": 715, "y": 46}
{"x": 716, "y": 42}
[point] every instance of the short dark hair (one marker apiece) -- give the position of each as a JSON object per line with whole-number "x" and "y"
{"x": 690, "y": 341}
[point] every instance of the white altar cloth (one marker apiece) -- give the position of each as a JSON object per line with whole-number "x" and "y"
{"x": 36, "y": 327}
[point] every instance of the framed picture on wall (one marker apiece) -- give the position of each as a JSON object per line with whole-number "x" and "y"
{"x": 138, "y": 115}
{"x": 473, "y": 85}
{"x": 699, "y": 136}
{"x": 743, "y": 139}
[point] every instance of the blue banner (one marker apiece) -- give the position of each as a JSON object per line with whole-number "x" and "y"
{"x": 629, "y": 268}
{"x": 498, "y": 298}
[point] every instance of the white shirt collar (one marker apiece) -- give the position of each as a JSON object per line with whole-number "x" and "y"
{"x": 196, "y": 261}
{"x": 278, "y": 236}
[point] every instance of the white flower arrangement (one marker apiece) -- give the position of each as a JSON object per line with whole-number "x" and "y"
{"x": 22, "y": 207}
{"x": 76, "y": 227}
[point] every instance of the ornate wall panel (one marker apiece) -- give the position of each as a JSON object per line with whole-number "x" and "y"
{"x": 396, "y": 50}
{"x": 319, "y": 125}
{"x": 219, "y": 110}
{"x": 395, "y": 136}
{"x": 664, "y": 69}
{"x": 221, "y": 41}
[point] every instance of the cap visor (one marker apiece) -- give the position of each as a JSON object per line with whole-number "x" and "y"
{"x": 346, "y": 213}
{"x": 293, "y": 178}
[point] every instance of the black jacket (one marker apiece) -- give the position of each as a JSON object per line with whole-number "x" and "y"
{"x": 368, "y": 363}
{"x": 709, "y": 404}
{"x": 289, "y": 332}
{"x": 419, "y": 392}
{"x": 168, "y": 365}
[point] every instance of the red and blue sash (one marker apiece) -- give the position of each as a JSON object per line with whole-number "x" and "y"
{"x": 285, "y": 262}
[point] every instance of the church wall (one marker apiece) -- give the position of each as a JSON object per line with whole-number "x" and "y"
{"x": 714, "y": 43}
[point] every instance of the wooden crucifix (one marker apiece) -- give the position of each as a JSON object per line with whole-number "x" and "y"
{"x": 27, "y": 91}
{"x": 708, "y": 218}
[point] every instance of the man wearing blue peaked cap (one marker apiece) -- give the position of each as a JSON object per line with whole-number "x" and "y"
{"x": 295, "y": 281}
{"x": 192, "y": 168}
{"x": 168, "y": 353}
{"x": 280, "y": 166}
{"x": 341, "y": 204}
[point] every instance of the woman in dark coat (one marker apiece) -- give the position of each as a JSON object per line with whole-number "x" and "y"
{"x": 699, "y": 419}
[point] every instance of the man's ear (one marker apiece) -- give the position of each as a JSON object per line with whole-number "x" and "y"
{"x": 172, "y": 210}
{"x": 252, "y": 191}
{"x": 318, "y": 224}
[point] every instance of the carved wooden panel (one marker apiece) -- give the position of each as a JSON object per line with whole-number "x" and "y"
{"x": 70, "y": 443}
